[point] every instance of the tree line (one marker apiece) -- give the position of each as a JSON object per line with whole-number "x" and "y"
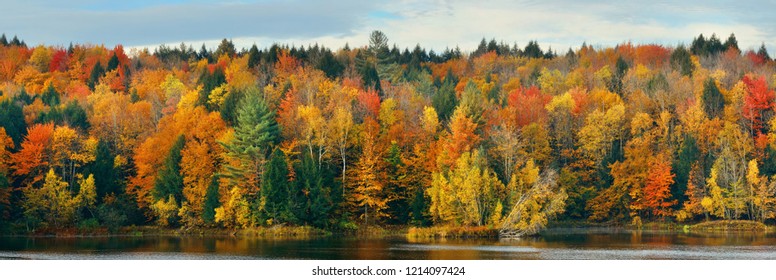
{"x": 97, "y": 137}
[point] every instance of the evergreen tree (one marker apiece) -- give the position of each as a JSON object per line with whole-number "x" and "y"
{"x": 444, "y": 101}
{"x": 310, "y": 198}
{"x": 731, "y": 42}
{"x": 482, "y": 48}
{"x": 419, "y": 207}
{"x": 395, "y": 186}
{"x": 3, "y": 41}
{"x": 210, "y": 81}
{"x": 714, "y": 45}
{"x": 23, "y": 98}
{"x": 50, "y": 97}
{"x": 768, "y": 168}
{"x": 16, "y": 43}
{"x": 75, "y": 116}
{"x": 12, "y": 119}
{"x": 113, "y": 63}
{"x": 681, "y": 61}
{"x": 254, "y": 57}
{"x": 274, "y": 189}
{"x": 688, "y": 155}
{"x": 698, "y": 46}
{"x": 94, "y": 77}
{"x": 533, "y": 50}
{"x": 211, "y": 202}
{"x": 169, "y": 181}
{"x": 204, "y": 54}
{"x": 762, "y": 52}
{"x": 228, "y": 109}
{"x": 254, "y": 134}
{"x": 106, "y": 179}
{"x": 713, "y": 101}
{"x": 330, "y": 66}
{"x": 225, "y": 48}
{"x": 621, "y": 68}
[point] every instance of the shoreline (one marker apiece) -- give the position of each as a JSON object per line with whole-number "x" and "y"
{"x": 411, "y": 232}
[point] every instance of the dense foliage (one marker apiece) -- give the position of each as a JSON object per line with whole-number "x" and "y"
{"x": 375, "y": 135}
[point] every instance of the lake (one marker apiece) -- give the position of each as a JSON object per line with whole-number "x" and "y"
{"x": 551, "y": 244}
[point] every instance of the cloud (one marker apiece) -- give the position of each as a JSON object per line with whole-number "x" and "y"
{"x": 434, "y": 24}
{"x": 564, "y": 24}
{"x": 176, "y": 22}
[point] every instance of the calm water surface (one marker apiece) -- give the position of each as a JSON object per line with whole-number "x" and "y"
{"x": 552, "y": 244}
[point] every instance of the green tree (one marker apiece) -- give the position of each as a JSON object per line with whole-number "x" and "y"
{"x": 688, "y": 155}
{"x": 106, "y": 178}
{"x": 681, "y": 61}
{"x": 254, "y": 57}
{"x": 209, "y": 82}
{"x": 96, "y": 74}
{"x": 254, "y": 134}
{"x": 762, "y": 52}
{"x": 713, "y": 101}
{"x": 310, "y": 198}
{"x": 211, "y": 202}
{"x": 274, "y": 188}
{"x": 444, "y": 100}
{"x": 169, "y": 181}
{"x": 226, "y": 47}
{"x": 533, "y": 50}
{"x": 731, "y": 42}
{"x": 50, "y": 96}
{"x": 12, "y": 119}
{"x": 113, "y": 63}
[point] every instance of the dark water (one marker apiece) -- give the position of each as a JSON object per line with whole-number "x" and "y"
{"x": 553, "y": 244}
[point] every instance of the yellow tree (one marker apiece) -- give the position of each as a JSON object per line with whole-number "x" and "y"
{"x": 462, "y": 138}
{"x": 200, "y": 158}
{"x": 714, "y": 203}
{"x": 467, "y": 194}
{"x": 600, "y": 130}
{"x": 762, "y": 190}
{"x": 561, "y": 122}
{"x": 368, "y": 179}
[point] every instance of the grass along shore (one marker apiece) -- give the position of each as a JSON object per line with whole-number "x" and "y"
{"x": 366, "y": 232}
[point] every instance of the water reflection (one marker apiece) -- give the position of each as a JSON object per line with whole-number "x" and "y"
{"x": 553, "y": 244}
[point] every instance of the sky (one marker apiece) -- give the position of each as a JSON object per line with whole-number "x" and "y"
{"x": 434, "y": 24}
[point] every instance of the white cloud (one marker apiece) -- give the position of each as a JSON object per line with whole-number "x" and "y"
{"x": 433, "y": 24}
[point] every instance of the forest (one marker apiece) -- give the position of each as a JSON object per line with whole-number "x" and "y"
{"x": 99, "y": 137}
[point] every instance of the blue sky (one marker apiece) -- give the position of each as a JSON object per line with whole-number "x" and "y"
{"x": 434, "y": 24}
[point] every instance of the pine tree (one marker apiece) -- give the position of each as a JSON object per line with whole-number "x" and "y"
{"x": 254, "y": 57}
{"x": 106, "y": 180}
{"x": 169, "y": 181}
{"x": 762, "y": 52}
{"x": 444, "y": 100}
{"x": 681, "y": 61}
{"x": 225, "y": 48}
{"x": 274, "y": 188}
{"x": 113, "y": 63}
{"x": 94, "y": 77}
{"x": 254, "y": 134}
{"x": 713, "y": 101}
{"x": 211, "y": 202}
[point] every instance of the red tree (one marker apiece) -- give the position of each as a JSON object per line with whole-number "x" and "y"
{"x": 657, "y": 190}
{"x": 758, "y": 103}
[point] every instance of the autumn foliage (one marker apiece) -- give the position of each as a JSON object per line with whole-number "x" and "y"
{"x": 501, "y": 136}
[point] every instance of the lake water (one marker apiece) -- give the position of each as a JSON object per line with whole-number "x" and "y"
{"x": 552, "y": 244}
